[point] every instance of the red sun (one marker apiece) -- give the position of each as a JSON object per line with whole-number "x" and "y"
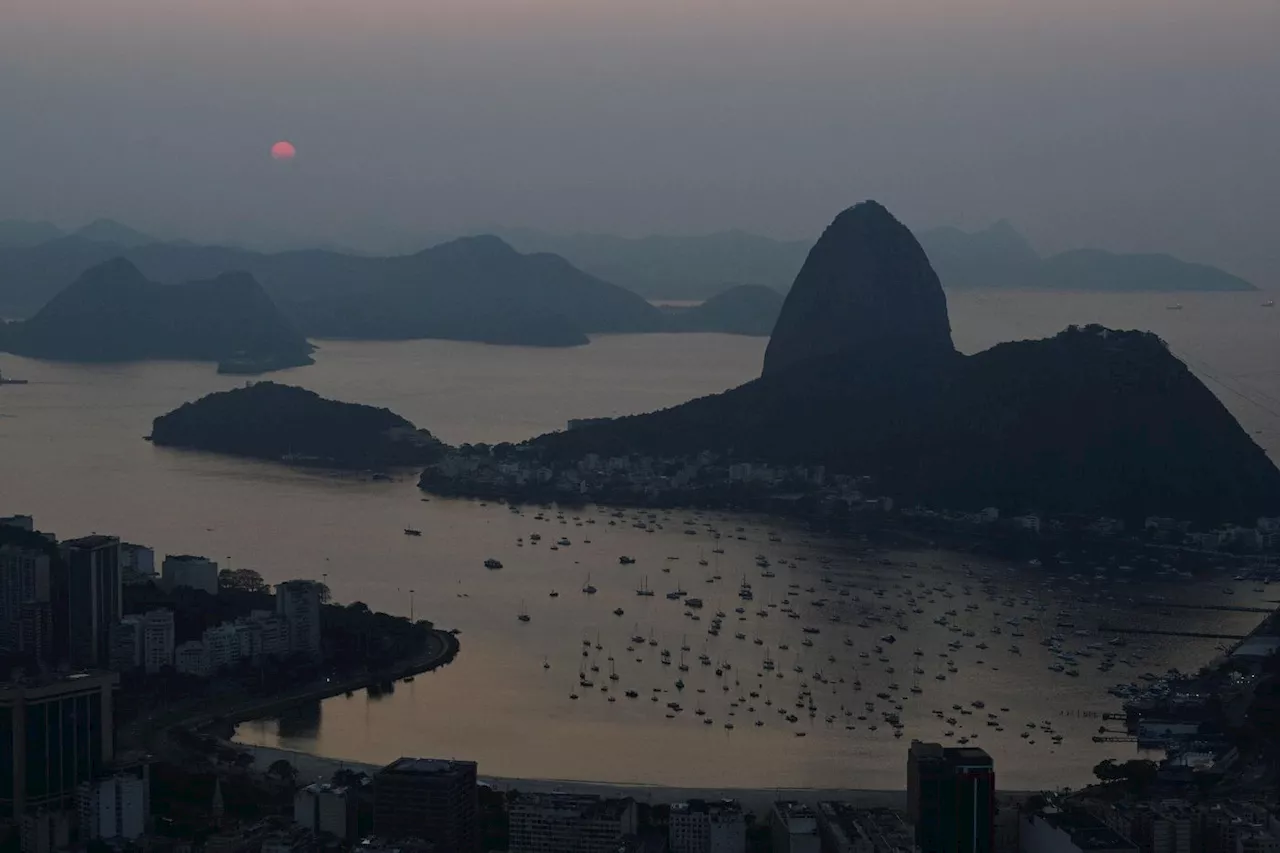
{"x": 283, "y": 150}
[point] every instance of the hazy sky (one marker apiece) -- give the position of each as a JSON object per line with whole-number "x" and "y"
{"x": 1132, "y": 124}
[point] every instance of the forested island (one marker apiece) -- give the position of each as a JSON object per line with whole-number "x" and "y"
{"x": 267, "y": 420}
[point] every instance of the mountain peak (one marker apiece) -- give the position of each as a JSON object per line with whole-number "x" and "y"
{"x": 866, "y": 287}
{"x": 115, "y": 233}
{"x": 478, "y": 245}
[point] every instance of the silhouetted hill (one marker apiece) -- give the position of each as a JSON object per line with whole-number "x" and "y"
{"x": 695, "y": 267}
{"x": 745, "y": 309}
{"x": 1001, "y": 257}
{"x": 1089, "y": 421}
{"x": 479, "y": 288}
{"x": 265, "y": 420}
{"x": 996, "y": 257}
{"x": 1094, "y": 269}
{"x": 866, "y": 286}
{"x": 662, "y": 267}
{"x": 113, "y": 313}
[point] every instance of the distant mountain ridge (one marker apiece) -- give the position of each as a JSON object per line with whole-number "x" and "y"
{"x": 113, "y": 313}
{"x": 696, "y": 267}
{"x": 473, "y": 288}
{"x": 39, "y": 259}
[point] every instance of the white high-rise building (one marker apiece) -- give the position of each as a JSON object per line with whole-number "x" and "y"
{"x": 321, "y": 807}
{"x": 157, "y": 640}
{"x": 186, "y": 570}
{"x": 272, "y": 633}
{"x": 118, "y": 806}
{"x": 189, "y": 658}
{"x": 221, "y": 646}
{"x": 707, "y": 826}
{"x": 298, "y": 602}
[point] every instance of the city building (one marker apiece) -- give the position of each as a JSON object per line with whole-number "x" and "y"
{"x": 274, "y": 631}
{"x": 707, "y": 826}
{"x": 323, "y": 808}
{"x": 190, "y": 659}
{"x": 117, "y": 806}
{"x": 185, "y": 570}
{"x": 430, "y": 799}
{"x": 143, "y": 641}
{"x": 89, "y": 593}
{"x": 570, "y": 823}
{"x": 1166, "y": 826}
{"x": 137, "y": 564}
{"x": 35, "y": 631}
{"x": 22, "y": 522}
{"x": 847, "y": 829}
{"x": 24, "y": 579}
{"x": 54, "y": 734}
{"x": 1053, "y": 830}
{"x": 126, "y": 645}
{"x": 157, "y": 640}
{"x": 298, "y": 603}
{"x": 951, "y": 798}
{"x": 221, "y": 646}
{"x": 794, "y": 828}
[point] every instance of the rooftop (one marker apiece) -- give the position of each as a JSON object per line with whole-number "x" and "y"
{"x": 429, "y": 766}
{"x": 886, "y": 829}
{"x": 706, "y": 806}
{"x": 326, "y": 788}
{"x": 925, "y": 751}
{"x": 798, "y": 818}
{"x": 585, "y": 806}
{"x": 89, "y": 543}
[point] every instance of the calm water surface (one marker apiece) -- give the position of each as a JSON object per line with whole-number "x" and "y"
{"x": 71, "y": 453}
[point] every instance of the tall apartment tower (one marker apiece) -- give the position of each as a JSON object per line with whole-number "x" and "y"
{"x": 299, "y": 603}
{"x": 430, "y": 799}
{"x": 951, "y": 798}
{"x": 89, "y": 605}
{"x": 24, "y": 580}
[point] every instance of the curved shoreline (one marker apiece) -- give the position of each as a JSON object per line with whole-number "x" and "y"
{"x": 445, "y": 647}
